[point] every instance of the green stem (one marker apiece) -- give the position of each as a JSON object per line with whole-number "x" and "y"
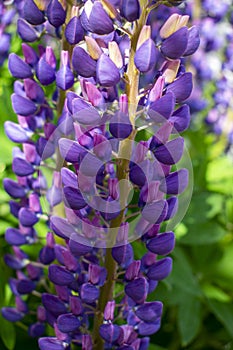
{"x": 132, "y": 78}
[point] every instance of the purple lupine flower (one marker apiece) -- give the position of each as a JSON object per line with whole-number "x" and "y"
{"x": 19, "y": 68}
{"x": 56, "y": 13}
{"x": 87, "y": 137}
{"x": 32, "y": 14}
{"x": 26, "y": 31}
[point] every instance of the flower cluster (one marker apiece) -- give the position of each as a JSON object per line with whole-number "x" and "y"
{"x": 211, "y": 65}
{"x": 111, "y": 142}
{"x": 216, "y": 29}
{"x": 7, "y": 14}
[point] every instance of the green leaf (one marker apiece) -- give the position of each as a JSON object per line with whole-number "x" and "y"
{"x": 7, "y": 331}
{"x": 224, "y": 313}
{"x": 155, "y": 347}
{"x": 214, "y": 292}
{"x": 6, "y": 114}
{"x": 222, "y": 269}
{"x": 189, "y": 318}
{"x": 205, "y": 233}
{"x": 219, "y": 175}
{"x": 203, "y": 207}
{"x": 182, "y": 276}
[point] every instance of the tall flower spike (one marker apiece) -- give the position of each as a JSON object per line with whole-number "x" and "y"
{"x": 90, "y": 138}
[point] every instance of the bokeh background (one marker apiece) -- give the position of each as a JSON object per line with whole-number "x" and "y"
{"x": 198, "y": 295}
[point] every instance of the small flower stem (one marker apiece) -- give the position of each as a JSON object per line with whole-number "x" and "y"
{"x": 132, "y": 215}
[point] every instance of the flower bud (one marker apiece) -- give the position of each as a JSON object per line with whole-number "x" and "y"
{"x": 181, "y": 118}
{"x": 27, "y": 217}
{"x": 44, "y": 72}
{"x": 18, "y": 68}
{"x": 123, "y": 255}
{"x": 74, "y": 32}
{"x": 162, "y": 108}
{"x": 172, "y": 207}
{"x": 149, "y": 312}
{"x": 23, "y": 106}
{"x": 73, "y": 198}
{"x": 76, "y": 305}
{"x": 96, "y": 274}
{"x": 25, "y": 286}
{"x": 173, "y": 23}
{"x": 162, "y": 244}
{"x": 133, "y": 270}
{"x": 181, "y": 87}
{"x": 145, "y": 328}
{"x": 53, "y": 304}
{"x": 95, "y": 19}
{"x": 51, "y": 343}
{"x": 56, "y": 13}
{"x": 13, "y": 262}
{"x": 16, "y": 133}
{"x": 175, "y": 183}
{"x": 145, "y": 56}
{"x": 32, "y": 14}
{"x": 13, "y": 188}
{"x": 130, "y": 10}
{"x": 157, "y": 90}
{"x": 65, "y": 77}
{"x": 60, "y": 275}
{"x": 36, "y": 330}
{"x": 61, "y": 227}
{"x": 171, "y": 152}
{"x": 93, "y": 95}
{"x": 155, "y": 212}
{"x": 29, "y": 54}
{"x": 79, "y": 247}
{"x": 109, "y": 310}
{"x": 82, "y": 63}
{"x": 11, "y": 314}
{"x": 15, "y": 237}
{"x": 193, "y": 41}
{"x": 160, "y": 269}
{"x": 86, "y": 342}
{"x": 175, "y": 45}
{"x": 89, "y": 293}
{"x": 107, "y": 73}
{"x": 110, "y": 332}
{"x": 26, "y": 31}
{"x": 21, "y": 305}
{"x": 84, "y": 112}
{"x": 68, "y": 323}
{"x": 47, "y": 255}
{"x": 137, "y": 290}
{"x": 120, "y": 126}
